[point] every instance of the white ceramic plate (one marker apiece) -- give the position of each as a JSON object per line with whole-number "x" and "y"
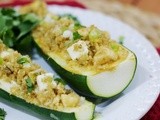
{"x": 141, "y": 94}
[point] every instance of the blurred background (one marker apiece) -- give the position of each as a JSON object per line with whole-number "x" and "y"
{"x": 143, "y": 15}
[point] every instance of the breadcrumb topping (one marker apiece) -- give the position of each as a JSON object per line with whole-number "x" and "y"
{"x": 32, "y": 83}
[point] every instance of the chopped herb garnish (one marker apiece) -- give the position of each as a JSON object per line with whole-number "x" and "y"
{"x": 77, "y": 26}
{"x": 14, "y": 27}
{"x": 60, "y": 81}
{"x": 114, "y": 47}
{"x": 76, "y": 36}
{"x": 121, "y": 40}
{"x": 23, "y": 59}
{"x": 2, "y": 114}
{"x": 1, "y": 61}
{"x": 30, "y": 86}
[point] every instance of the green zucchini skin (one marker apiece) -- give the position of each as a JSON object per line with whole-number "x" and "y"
{"x": 42, "y": 113}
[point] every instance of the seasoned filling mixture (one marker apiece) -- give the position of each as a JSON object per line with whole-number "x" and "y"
{"x": 23, "y": 78}
{"x": 80, "y": 46}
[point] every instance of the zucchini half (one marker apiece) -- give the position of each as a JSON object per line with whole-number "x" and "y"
{"x": 102, "y": 85}
{"x": 57, "y": 34}
{"x": 83, "y": 111}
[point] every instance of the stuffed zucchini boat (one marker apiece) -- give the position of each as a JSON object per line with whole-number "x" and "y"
{"x": 86, "y": 57}
{"x": 25, "y": 83}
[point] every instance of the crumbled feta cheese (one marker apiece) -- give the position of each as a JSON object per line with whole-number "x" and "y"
{"x": 4, "y": 54}
{"x": 42, "y": 85}
{"x": 81, "y": 49}
{"x": 68, "y": 34}
{"x": 6, "y": 85}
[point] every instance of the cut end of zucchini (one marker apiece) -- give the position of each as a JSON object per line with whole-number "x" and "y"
{"x": 105, "y": 84}
{"x": 83, "y": 112}
{"x": 111, "y": 83}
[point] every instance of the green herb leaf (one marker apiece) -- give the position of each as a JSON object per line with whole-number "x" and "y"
{"x": 15, "y": 27}
{"x": 77, "y": 26}
{"x": 121, "y": 40}
{"x": 2, "y": 114}
{"x": 24, "y": 28}
{"x": 23, "y": 59}
{"x": 30, "y": 17}
{"x": 114, "y": 47}
{"x": 30, "y": 86}
{"x": 29, "y": 21}
{"x": 1, "y": 61}
{"x": 2, "y": 22}
{"x": 7, "y": 36}
{"x": 8, "y": 12}
{"x": 76, "y": 36}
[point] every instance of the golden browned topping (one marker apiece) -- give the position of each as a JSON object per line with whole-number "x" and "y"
{"x": 29, "y": 81}
{"x": 80, "y": 46}
{"x": 85, "y": 46}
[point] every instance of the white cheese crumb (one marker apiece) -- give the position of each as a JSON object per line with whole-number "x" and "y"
{"x": 68, "y": 34}
{"x": 42, "y": 85}
{"x": 54, "y": 83}
{"x": 4, "y": 54}
{"x": 82, "y": 49}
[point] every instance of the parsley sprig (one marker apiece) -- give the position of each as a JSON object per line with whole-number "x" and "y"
{"x": 76, "y": 36}
{"x": 121, "y": 40}
{"x": 15, "y": 28}
{"x": 23, "y": 60}
{"x": 2, "y": 114}
{"x": 30, "y": 85}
